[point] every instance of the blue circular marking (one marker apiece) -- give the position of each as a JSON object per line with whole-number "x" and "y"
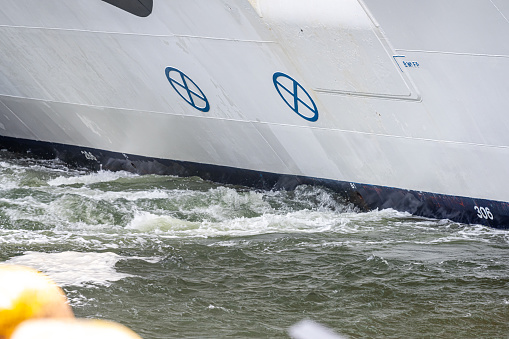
{"x": 181, "y": 82}
{"x": 296, "y": 92}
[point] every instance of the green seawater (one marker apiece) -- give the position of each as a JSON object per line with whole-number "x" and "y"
{"x": 185, "y": 258}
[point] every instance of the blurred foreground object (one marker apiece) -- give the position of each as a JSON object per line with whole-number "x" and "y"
{"x": 28, "y": 294}
{"x": 72, "y": 328}
{"x": 308, "y": 329}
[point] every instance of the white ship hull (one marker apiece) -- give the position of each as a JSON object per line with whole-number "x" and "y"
{"x": 395, "y": 104}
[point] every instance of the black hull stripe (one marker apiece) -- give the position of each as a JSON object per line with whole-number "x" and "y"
{"x": 366, "y": 197}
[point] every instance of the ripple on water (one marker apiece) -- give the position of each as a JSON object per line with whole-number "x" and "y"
{"x": 193, "y": 258}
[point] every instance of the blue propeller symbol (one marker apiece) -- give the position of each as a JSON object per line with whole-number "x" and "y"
{"x": 187, "y": 89}
{"x": 297, "y": 98}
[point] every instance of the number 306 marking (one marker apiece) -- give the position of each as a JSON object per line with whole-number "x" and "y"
{"x": 484, "y": 212}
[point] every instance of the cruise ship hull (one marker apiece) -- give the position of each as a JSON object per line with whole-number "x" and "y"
{"x": 395, "y": 105}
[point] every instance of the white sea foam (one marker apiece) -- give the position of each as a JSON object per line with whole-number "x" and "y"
{"x": 145, "y": 221}
{"x": 92, "y": 178}
{"x": 212, "y": 307}
{"x": 74, "y": 268}
{"x": 153, "y": 207}
{"x": 298, "y": 222}
{"x": 9, "y": 165}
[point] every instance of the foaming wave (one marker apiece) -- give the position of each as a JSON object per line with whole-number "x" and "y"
{"x": 228, "y": 212}
{"x": 91, "y": 178}
{"x": 74, "y": 268}
{"x": 479, "y": 233}
{"x": 235, "y": 200}
{"x": 146, "y": 222}
{"x": 292, "y": 222}
{"x": 219, "y": 221}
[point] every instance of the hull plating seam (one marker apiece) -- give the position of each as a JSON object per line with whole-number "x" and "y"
{"x": 274, "y": 124}
{"x": 140, "y": 34}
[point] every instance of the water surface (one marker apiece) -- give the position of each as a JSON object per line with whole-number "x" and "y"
{"x": 181, "y": 257}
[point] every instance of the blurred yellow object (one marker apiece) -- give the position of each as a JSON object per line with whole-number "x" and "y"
{"x": 72, "y": 328}
{"x": 28, "y": 294}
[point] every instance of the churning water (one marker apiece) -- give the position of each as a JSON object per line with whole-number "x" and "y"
{"x": 182, "y": 257}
